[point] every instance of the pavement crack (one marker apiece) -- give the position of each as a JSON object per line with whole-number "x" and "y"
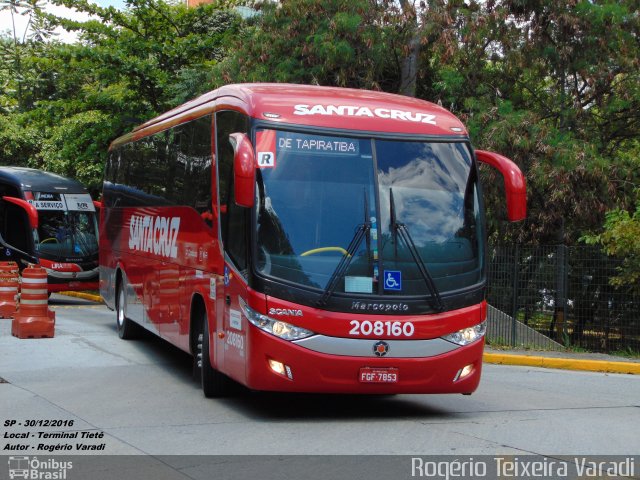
{"x": 199, "y": 424}
{"x": 177, "y": 470}
{"x": 564, "y": 409}
{"x": 78, "y": 339}
{"x": 482, "y": 439}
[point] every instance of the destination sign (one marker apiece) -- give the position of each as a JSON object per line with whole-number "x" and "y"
{"x": 272, "y": 144}
{"x": 48, "y": 205}
{"x": 315, "y": 144}
{"x": 79, "y": 202}
{"x": 74, "y": 202}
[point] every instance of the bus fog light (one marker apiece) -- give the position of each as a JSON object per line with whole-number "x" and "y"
{"x": 281, "y": 369}
{"x": 464, "y": 372}
{"x": 467, "y": 335}
{"x": 276, "y": 366}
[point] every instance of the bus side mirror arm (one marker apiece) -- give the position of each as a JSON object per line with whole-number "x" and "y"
{"x": 515, "y": 186}
{"x": 244, "y": 170}
{"x": 32, "y": 213}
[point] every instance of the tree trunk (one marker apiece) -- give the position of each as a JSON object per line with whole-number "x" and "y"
{"x": 409, "y": 72}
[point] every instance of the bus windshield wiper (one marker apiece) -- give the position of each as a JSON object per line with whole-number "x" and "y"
{"x": 362, "y": 231}
{"x": 401, "y": 230}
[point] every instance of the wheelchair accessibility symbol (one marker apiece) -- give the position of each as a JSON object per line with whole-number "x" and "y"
{"x": 393, "y": 280}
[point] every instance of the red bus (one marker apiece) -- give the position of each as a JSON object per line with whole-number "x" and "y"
{"x": 49, "y": 220}
{"x": 304, "y": 239}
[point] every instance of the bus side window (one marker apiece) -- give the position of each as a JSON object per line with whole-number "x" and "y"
{"x": 233, "y": 219}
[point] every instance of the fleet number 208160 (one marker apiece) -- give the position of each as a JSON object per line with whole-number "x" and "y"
{"x": 379, "y": 328}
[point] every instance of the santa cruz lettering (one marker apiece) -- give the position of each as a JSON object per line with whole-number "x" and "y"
{"x": 155, "y": 235}
{"x": 355, "y": 111}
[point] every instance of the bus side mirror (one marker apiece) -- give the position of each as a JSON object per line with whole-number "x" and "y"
{"x": 244, "y": 169}
{"x": 32, "y": 213}
{"x": 514, "y": 183}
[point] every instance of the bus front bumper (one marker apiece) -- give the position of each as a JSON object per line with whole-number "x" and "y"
{"x": 277, "y": 365}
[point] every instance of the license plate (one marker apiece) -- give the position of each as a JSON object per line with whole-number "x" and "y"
{"x": 378, "y": 375}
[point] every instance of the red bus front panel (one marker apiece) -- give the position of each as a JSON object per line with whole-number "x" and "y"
{"x": 324, "y": 373}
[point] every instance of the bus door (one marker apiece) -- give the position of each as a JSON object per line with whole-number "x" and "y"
{"x": 234, "y": 324}
{"x": 232, "y": 149}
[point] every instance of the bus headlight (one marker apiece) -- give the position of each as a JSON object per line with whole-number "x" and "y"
{"x": 467, "y": 335}
{"x": 278, "y": 328}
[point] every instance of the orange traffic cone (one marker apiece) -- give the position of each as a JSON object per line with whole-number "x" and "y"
{"x": 33, "y": 318}
{"x": 9, "y": 281}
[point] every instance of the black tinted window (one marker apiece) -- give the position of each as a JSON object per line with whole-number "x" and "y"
{"x": 169, "y": 168}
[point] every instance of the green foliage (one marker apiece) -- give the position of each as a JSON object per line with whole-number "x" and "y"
{"x": 75, "y": 148}
{"x": 18, "y": 144}
{"x": 21, "y": 72}
{"x": 621, "y": 238}
{"x": 555, "y": 87}
{"x": 336, "y": 42}
{"x": 62, "y": 104}
{"x": 149, "y": 47}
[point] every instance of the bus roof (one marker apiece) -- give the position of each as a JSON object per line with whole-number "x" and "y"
{"x": 325, "y": 107}
{"x": 39, "y": 181}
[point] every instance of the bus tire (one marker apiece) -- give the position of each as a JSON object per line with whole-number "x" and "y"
{"x": 214, "y": 383}
{"x": 127, "y": 329}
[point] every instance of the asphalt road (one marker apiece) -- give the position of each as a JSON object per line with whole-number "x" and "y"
{"x": 138, "y": 397}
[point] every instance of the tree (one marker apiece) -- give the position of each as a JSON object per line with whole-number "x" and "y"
{"x": 554, "y": 86}
{"x": 127, "y": 67}
{"x": 336, "y": 43}
{"x": 17, "y": 143}
{"x": 18, "y": 76}
{"x": 151, "y": 45}
{"x": 621, "y": 238}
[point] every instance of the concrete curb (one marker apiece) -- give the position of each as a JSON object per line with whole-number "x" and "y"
{"x": 83, "y": 295}
{"x": 563, "y": 363}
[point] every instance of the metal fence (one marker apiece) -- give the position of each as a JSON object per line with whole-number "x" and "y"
{"x": 558, "y": 296}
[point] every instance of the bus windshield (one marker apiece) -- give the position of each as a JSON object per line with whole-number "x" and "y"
{"x": 66, "y": 234}
{"x": 403, "y": 216}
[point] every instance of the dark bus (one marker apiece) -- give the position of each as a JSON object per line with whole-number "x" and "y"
{"x": 49, "y": 220}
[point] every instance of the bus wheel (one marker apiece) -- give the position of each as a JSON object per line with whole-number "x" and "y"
{"x": 127, "y": 329}
{"x": 214, "y": 383}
